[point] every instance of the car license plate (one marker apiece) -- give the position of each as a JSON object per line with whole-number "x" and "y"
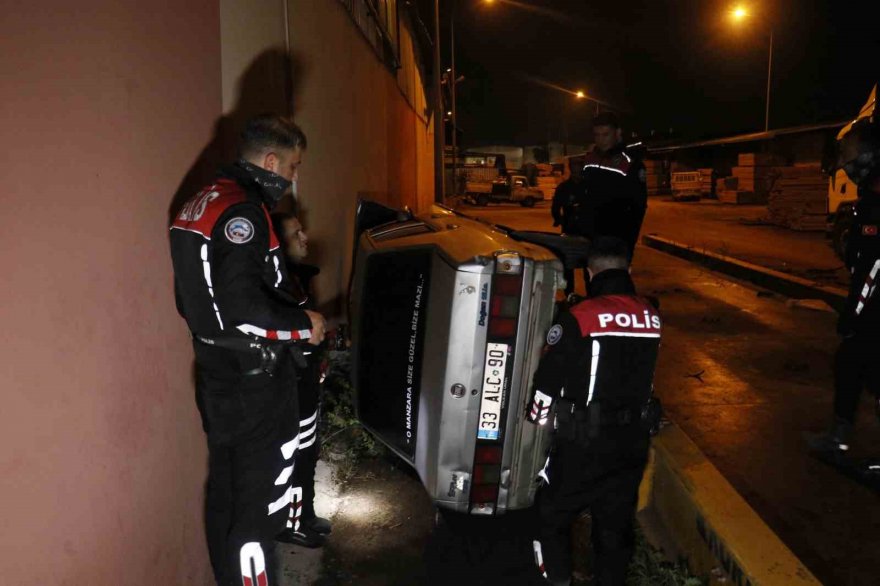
{"x": 493, "y": 387}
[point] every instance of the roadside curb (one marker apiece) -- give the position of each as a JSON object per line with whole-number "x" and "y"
{"x": 777, "y": 281}
{"x": 707, "y": 520}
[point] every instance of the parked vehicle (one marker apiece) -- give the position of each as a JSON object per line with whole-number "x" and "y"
{"x": 842, "y": 192}
{"x": 449, "y": 316}
{"x": 510, "y": 188}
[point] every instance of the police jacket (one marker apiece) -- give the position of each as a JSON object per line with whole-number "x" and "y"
{"x": 861, "y": 313}
{"x": 603, "y": 351}
{"x": 230, "y": 278}
{"x": 616, "y": 195}
{"x": 568, "y": 200}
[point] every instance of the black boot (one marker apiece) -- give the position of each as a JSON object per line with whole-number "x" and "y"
{"x": 318, "y": 524}
{"x": 305, "y": 536}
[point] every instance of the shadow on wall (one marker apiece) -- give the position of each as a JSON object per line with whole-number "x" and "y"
{"x": 269, "y": 85}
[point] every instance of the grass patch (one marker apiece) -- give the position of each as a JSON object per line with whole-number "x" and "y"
{"x": 649, "y": 567}
{"x": 345, "y": 441}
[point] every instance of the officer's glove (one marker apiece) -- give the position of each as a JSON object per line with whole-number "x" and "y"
{"x": 539, "y": 412}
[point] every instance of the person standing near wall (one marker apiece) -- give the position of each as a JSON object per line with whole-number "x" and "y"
{"x": 616, "y": 193}
{"x": 231, "y": 288}
{"x": 599, "y": 371}
{"x": 308, "y": 529}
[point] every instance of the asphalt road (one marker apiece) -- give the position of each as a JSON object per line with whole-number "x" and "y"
{"x": 745, "y": 374}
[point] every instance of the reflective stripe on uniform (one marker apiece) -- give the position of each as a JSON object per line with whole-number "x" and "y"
{"x": 594, "y": 368}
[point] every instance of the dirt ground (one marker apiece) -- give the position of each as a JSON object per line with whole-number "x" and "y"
{"x": 388, "y": 533}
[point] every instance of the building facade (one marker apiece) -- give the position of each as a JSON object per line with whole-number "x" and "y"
{"x": 113, "y": 111}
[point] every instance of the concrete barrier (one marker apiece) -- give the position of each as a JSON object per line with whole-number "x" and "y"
{"x": 709, "y": 523}
{"x": 788, "y": 285}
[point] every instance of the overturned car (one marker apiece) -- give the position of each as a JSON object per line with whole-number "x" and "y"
{"x": 449, "y": 317}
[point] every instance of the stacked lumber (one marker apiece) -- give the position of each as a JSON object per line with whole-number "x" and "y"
{"x": 799, "y": 198}
{"x": 757, "y": 160}
{"x": 705, "y": 182}
{"x": 728, "y": 190}
{"x": 655, "y": 177}
{"x": 751, "y": 180}
{"x": 757, "y": 179}
{"x": 547, "y": 185}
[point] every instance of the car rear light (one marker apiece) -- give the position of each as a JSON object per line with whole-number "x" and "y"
{"x": 487, "y": 455}
{"x": 504, "y": 310}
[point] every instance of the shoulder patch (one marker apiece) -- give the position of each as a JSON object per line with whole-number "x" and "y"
{"x": 554, "y": 335}
{"x": 239, "y": 230}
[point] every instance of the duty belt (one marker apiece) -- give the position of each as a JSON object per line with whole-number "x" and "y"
{"x": 269, "y": 353}
{"x": 575, "y": 422}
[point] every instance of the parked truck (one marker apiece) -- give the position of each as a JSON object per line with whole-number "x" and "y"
{"x": 842, "y": 192}
{"x": 510, "y": 188}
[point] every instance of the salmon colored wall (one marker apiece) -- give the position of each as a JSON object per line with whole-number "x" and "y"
{"x": 365, "y": 135}
{"x": 104, "y": 106}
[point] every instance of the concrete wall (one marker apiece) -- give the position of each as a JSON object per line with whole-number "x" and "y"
{"x": 104, "y": 106}
{"x": 367, "y": 130}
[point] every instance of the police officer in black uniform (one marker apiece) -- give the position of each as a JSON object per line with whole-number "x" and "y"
{"x": 856, "y": 363}
{"x": 568, "y": 200}
{"x": 308, "y": 529}
{"x": 230, "y": 284}
{"x": 597, "y": 377}
{"x": 616, "y": 193}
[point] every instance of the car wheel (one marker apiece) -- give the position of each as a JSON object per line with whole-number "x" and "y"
{"x": 482, "y": 200}
{"x": 528, "y": 202}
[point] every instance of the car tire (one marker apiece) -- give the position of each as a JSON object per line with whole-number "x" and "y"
{"x": 482, "y": 200}
{"x": 528, "y": 202}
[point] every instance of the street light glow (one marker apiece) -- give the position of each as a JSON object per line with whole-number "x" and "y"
{"x": 739, "y": 13}
{"x": 580, "y": 95}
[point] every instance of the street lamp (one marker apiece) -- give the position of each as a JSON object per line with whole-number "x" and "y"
{"x": 739, "y": 14}
{"x": 580, "y": 95}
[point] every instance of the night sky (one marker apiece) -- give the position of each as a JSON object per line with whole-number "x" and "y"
{"x": 677, "y": 64}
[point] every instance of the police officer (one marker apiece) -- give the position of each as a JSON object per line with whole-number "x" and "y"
{"x": 616, "y": 194}
{"x": 856, "y": 364}
{"x": 565, "y": 207}
{"x": 308, "y": 529}
{"x": 230, "y": 284}
{"x": 597, "y": 374}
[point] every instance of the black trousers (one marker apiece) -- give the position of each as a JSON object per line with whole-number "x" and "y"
{"x": 251, "y": 423}
{"x": 579, "y": 478}
{"x": 309, "y": 392}
{"x": 856, "y": 366}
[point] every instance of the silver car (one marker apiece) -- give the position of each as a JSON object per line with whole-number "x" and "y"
{"x": 449, "y": 317}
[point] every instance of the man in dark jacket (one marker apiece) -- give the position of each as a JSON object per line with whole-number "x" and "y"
{"x": 616, "y": 194}
{"x": 230, "y": 284}
{"x": 308, "y": 529}
{"x": 568, "y": 203}
{"x": 598, "y": 374}
{"x": 856, "y": 364}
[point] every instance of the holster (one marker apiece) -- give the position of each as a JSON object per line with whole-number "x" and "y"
{"x": 270, "y": 352}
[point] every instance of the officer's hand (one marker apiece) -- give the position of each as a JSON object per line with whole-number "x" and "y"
{"x": 540, "y": 408}
{"x": 319, "y": 327}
